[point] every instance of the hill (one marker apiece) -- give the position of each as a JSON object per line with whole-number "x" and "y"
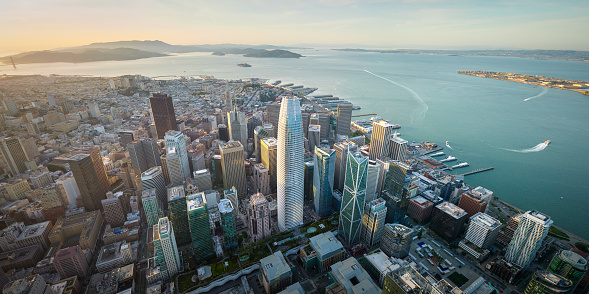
{"x": 79, "y": 56}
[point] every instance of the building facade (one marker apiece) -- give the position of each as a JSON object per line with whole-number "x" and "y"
{"x": 323, "y": 175}
{"x": 354, "y": 193}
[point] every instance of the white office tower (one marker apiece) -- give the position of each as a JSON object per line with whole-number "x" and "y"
{"x": 482, "y": 230}
{"x": 213, "y": 121}
{"x": 375, "y": 213}
{"x": 527, "y": 239}
{"x": 237, "y": 127}
{"x": 68, "y": 188}
{"x": 173, "y": 167}
{"x": 202, "y": 179}
{"x": 380, "y": 140}
{"x": 314, "y": 136}
{"x": 398, "y": 149}
{"x": 228, "y": 100}
{"x": 153, "y": 178}
{"x": 372, "y": 180}
{"x": 176, "y": 140}
{"x": 94, "y": 110}
{"x": 290, "y": 162}
{"x": 167, "y": 256}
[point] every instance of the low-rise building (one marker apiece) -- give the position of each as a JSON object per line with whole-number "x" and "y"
{"x": 276, "y": 273}
{"x": 85, "y": 225}
{"x": 323, "y": 251}
{"x": 34, "y": 234}
{"x": 350, "y": 275}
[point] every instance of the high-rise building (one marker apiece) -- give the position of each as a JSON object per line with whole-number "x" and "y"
{"x": 153, "y": 178}
{"x": 324, "y": 165}
{"x": 10, "y": 106}
{"x": 200, "y": 227}
{"x": 261, "y": 179}
{"x": 175, "y": 141}
{"x": 179, "y": 215}
{"x": 341, "y": 156}
{"x": 231, "y": 194}
{"x": 314, "y": 136}
{"x": 172, "y": 167}
{"x": 372, "y": 180}
{"x": 152, "y": 207}
{"x": 114, "y": 213}
{"x": 228, "y": 224}
{"x": 544, "y": 282}
{"x": 197, "y": 160}
{"x": 94, "y": 152}
{"x": 354, "y": 193}
{"x": 228, "y": 100}
{"x": 475, "y": 200}
{"x": 94, "y": 109}
{"x": 144, "y": 155}
{"x": 233, "y": 167}
{"x": 237, "y": 127}
{"x": 88, "y": 180}
{"x": 309, "y": 174}
{"x": 14, "y": 155}
{"x": 70, "y": 262}
{"x": 276, "y": 273}
{"x": 353, "y": 278}
{"x": 569, "y": 265}
{"x": 258, "y": 216}
{"x": 30, "y": 148}
{"x": 167, "y": 256}
{"x": 323, "y": 119}
{"x": 162, "y": 110}
{"x": 380, "y": 140}
{"x": 223, "y": 133}
{"x": 396, "y": 240}
{"x": 344, "y": 119}
{"x": 272, "y": 116}
{"x": 504, "y": 237}
{"x": 126, "y": 137}
{"x": 261, "y": 132}
{"x": 448, "y": 221}
{"x": 398, "y": 149}
{"x": 527, "y": 239}
{"x": 290, "y": 168}
{"x": 202, "y": 179}
{"x": 482, "y": 230}
{"x": 373, "y": 221}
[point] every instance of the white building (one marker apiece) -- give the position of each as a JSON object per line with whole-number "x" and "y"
{"x": 176, "y": 140}
{"x": 527, "y": 239}
{"x": 482, "y": 230}
{"x": 380, "y": 140}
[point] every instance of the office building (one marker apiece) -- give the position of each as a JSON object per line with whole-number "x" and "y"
{"x": 144, "y": 155}
{"x": 153, "y": 178}
{"x": 70, "y": 262}
{"x": 261, "y": 132}
{"x": 86, "y": 227}
{"x": 475, "y": 200}
{"x": 172, "y": 167}
{"x": 237, "y": 127}
{"x": 352, "y": 277}
{"x": 372, "y": 180}
{"x": 10, "y": 106}
{"x": 272, "y": 115}
{"x": 290, "y": 165}
{"x": 233, "y": 167}
{"x": 14, "y": 155}
{"x": 482, "y": 230}
{"x": 8, "y": 234}
{"x": 324, "y": 120}
{"x": 527, "y": 239}
{"x": 176, "y": 143}
{"x": 152, "y": 207}
{"x": 178, "y": 215}
{"x": 396, "y": 240}
{"x": 166, "y": 251}
{"x": 314, "y": 136}
{"x": 94, "y": 110}
{"x": 113, "y": 256}
{"x": 228, "y": 224}
{"x": 258, "y": 216}
{"x": 162, "y": 110}
{"x": 408, "y": 280}
{"x": 324, "y": 165}
{"x": 269, "y": 155}
{"x": 419, "y": 209}
{"x": 398, "y": 149}
{"x": 569, "y": 265}
{"x": 231, "y": 194}
{"x": 448, "y": 221}
{"x": 202, "y": 179}
{"x": 41, "y": 180}
{"x": 276, "y": 273}
{"x": 35, "y": 234}
{"x": 260, "y": 179}
{"x": 224, "y": 133}
{"x": 126, "y": 137}
{"x": 197, "y": 160}
{"x": 322, "y": 251}
{"x": 308, "y": 181}
{"x": 200, "y": 227}
{"x": 373, "y": 221}
{"x": 504, "y": 237}
{"x": 342, "y": 149}
{"x": 228, "y": 100}
{"x": 86, "y": 177}
{"x": 114, "y": 212}
{"x": 34, "y": 284}
{"x": 544, "y": 282}
{"x": 354, "y": 193}
{"x": 380, "y": 140}
{"x": 344, "y": 119}
{"x": 17, "y": 189}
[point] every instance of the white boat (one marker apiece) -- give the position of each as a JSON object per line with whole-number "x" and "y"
{"x": 437, "y": 154}
{"x": 464, "y": 164}
{"x": 449, "y": 158}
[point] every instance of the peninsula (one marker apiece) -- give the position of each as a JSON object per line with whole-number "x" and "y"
{"x": 577, "y": 86}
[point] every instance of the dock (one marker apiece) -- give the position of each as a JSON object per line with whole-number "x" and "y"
{"x": 480, "y": 170}
{"x": 367, "y": 114}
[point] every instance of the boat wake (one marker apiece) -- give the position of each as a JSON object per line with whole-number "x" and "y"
{"x": 448, "y": 145}
{"x": 417, "y": 115}
{"x": 536, "y": 148}
{"x": 544, "y": 91}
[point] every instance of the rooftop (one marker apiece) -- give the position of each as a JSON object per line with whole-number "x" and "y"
{"x": 485, "y": 220}
{"x": 383, "y": 263}
{"x": 152, "y": 171}
{"x": 230, "y": 144}
{"x": 270, "y": 141}
{"x": 353, "y": 277}
{"x": 195, "y": 201}
{"x": 420, "y": 201}
{"x": 400, "y": 229}
{"x": 325, "y": 244}
{"x": 176, "y": 192}
{"x": 538, "y": 215}
{"x": 451, "y": 209}
{"x": 33, "y": 231}
{"x": 274, "y": 266}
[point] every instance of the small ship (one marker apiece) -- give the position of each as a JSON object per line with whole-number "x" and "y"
{"x": 464, "y": 164}
{"x": 244, "y": 64}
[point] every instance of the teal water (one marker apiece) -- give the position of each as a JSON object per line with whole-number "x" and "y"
{"x": 483, "y": 119}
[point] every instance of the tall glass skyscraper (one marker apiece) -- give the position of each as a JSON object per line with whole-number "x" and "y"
{"x": 228, "y": 223}
{"x": 290, "y": 163}
{"x": 178, "y": 215}
{"x": 527, "y": 239}
{"x": 162, "y": 110}
{"x": 352, "y": 208}
{"x": 166, "y": 250}
{"x": 175, "y": 143}
{"x": 200, "y": 227}
{"x": 324, "y": 166}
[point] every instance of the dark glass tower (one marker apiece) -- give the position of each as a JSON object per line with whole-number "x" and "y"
{"x": 162, "y": 109}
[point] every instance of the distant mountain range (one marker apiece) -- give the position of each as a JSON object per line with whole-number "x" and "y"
{"x": 131, "y": 50}
{"x": 536, "y": 54}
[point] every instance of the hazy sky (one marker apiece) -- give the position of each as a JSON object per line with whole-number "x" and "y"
{"x": 538, "y": 24}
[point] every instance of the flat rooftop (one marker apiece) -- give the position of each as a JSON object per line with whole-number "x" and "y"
{"x": 230, "y": 144}
{"x": 270, "y": 141}
{"x": 420, "y": 201}
{"x": 176, "y": 192}
{"x": 485, "y": 220}
{"x": 274, "y": 266}
{"x": 33, "y": 231}
{"x": 325, "y": 244}
{"x": 225, "y": 206}
{"x": 451, "y": 209}
{"x": 195, "y": 201}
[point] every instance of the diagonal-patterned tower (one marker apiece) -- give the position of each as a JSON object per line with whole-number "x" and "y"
{"x": 352, "y": 209}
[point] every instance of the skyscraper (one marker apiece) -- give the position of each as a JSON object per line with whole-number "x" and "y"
{"x": 178, "y": 215}
{"x": 144, "y": 154}
{"x": 544, "y": 282}
{"x": 162, "y": 110}
{"x": 373, "y": 222}
{"x": 69, "y": 262}
{"x": 380, "y": 140}
{"x": 372, "y": 180}
{"x": 344, "y": 119}
{"x": 166, "y": 251}
{"x": 233, "y": 166}
{"x": 261, "y": 179}
{"x": 261, "y": 132}
{"x": 114, "y": 212}
{"x": 448, "y": 221}
{"x": 228, "y": 100}
{"x": 172, "y": 167}
{"x": 475, "y": 200}
{"x": 314, "y": 136}
{"x": 228, "y": 224}
{"x": 396, "y": 240}
{"x": 354, "y": 193}
{"x": 324, "y": 165}
{"x": 569, "y": 265}
{"x": 88, "y": 181}
{"x": 200, "y": 227}
{"x": 269, "y": 155}
{"x": 237, "y": 126}
{"x": 258, "y": 216}
{"x": 398, "y": 149}
{"x": 290, "y": 160}
{"x": 272, "y": 115}
{"x": 341, "y": 157}
{"x": 94, "y": 152}
{"x": 482, "y": 230}
{"x": 153, "y": 178}
{"x": 14, "y": 154}
{"x": 527, "y": 239}
{"x": 152, "y": 207}
{"x": 176, "y": 143}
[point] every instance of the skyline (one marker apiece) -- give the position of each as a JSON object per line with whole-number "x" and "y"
{"x": 419, "y": 24}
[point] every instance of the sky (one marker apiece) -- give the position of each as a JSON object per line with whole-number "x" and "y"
{"x": 422, "y": 24}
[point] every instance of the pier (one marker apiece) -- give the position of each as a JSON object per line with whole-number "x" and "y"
{"x": 357, "y": 115}
{"x": 480, "y": 170}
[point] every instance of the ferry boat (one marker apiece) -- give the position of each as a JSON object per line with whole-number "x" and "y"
{"x": 356, "y": 107}
{"x": 244, "y": 64}
{"x": 464, "y": 164}
{"x": 449, "y": 158}
{"x": 547, "y": 142}
{"x": 437, "y": 154}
